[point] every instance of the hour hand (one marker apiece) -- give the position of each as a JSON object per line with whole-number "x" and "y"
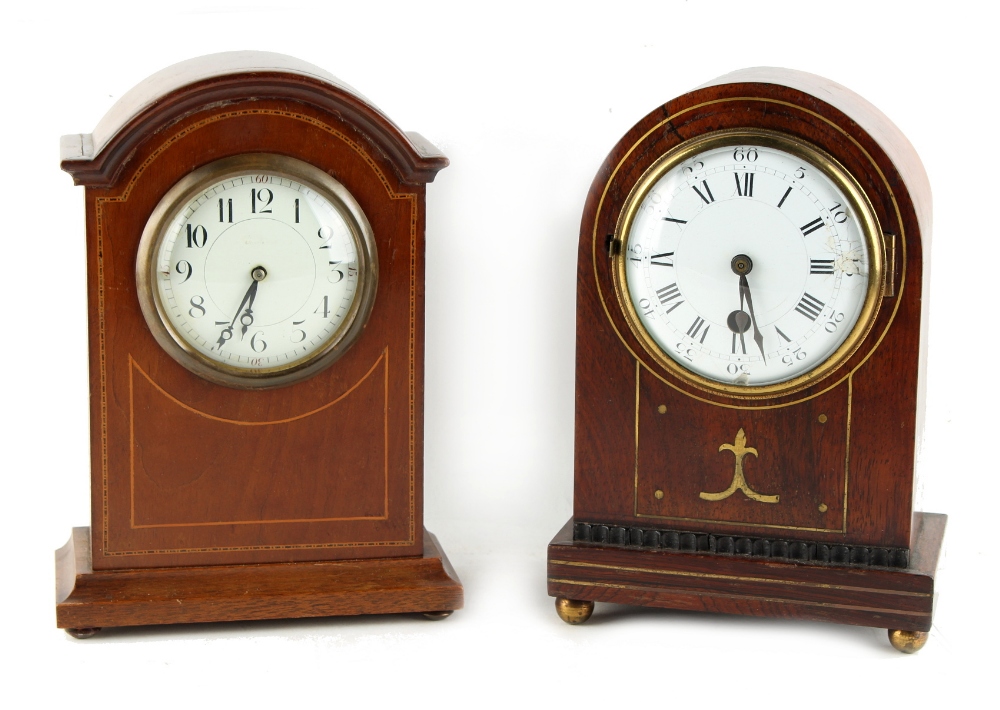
{"x": 741, "y": 266}
{"x": 225, "y": 335}
{"x": 758, "y": 337}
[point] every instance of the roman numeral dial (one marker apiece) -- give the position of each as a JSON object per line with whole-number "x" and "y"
{"x": 744, "y": 263}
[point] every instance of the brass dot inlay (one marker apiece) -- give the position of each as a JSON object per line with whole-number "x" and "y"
{"x": 823, "y": 508}
{"x": 662, "y": 409}
{"x": 659, "y": 495}
{"x": 822, "y": 419}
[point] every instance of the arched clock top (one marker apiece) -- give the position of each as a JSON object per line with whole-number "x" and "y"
{"x": 857, "y": 110}
{"x": 96, "y": 159}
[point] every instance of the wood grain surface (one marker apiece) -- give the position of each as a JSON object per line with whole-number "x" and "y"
{"x": 840, "y": 453}
{"x": 186, "y": 472}
{"x": 88, "y": 598}
{"x": 739, "y": 584}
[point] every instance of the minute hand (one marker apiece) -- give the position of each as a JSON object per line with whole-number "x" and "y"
{"x": 757, "y": 335}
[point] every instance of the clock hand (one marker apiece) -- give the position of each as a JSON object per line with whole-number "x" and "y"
{"x": 742, "y": 265}
{"x": 246, "y": 317}
{"x": 739, "y": 323}
{"x": 758, "y": 337}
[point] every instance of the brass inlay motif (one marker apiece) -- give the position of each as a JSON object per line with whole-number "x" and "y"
{"x": 823, "y": 507}
{"x": 842, "y": 518}
{"x": 740, "y": 449}
{"x": 662, "y": 409}
{"x": 658, "y": 495}
{"x": 822, "y": 419}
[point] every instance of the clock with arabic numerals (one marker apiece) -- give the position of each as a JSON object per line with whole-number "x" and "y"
{"x": 255, "y": 244}
{"x": 749, "y": 371}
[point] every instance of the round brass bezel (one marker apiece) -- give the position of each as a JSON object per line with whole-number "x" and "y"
{"x": 170, "y": 207}
{"x": 811, "y": 155}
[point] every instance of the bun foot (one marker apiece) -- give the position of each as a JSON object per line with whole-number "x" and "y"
{"x": 573, "y": 611}
{"x": 907, "y": 641}
{"x": 437, "y": 615}
{"x": 84, "y": 632}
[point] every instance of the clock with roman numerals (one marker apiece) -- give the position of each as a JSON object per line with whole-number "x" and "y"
{"x": 749, "y": 364}
{"x": 255, "y": 245}
{"x": 750, "y": 262}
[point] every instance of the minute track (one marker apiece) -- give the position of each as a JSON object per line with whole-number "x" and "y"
{"x": 770, "y": 214}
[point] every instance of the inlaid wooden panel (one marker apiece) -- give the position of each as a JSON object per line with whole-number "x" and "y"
{"x": 684, "y": 453}
{"x": 847, "y": 480}
{"x": 187, "y": 472}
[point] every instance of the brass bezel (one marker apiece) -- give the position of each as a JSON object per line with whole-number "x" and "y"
{"x": 814, "y": 157}
{"x": 171, "y": 205}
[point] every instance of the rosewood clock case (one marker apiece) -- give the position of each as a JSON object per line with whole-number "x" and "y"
{"x": 837, "y": 453}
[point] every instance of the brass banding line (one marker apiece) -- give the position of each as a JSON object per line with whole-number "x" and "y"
{"x": 738, "y": 578}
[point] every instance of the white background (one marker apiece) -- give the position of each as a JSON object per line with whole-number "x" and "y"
{"x": 526, "y": 99}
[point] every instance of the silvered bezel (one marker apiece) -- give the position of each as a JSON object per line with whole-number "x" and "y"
{"x": 168, "y": 211}
{"x": 813, "y": 156}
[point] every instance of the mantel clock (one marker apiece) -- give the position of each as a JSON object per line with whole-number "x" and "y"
{"x": 750, "y": 333}
{"x": 255, "y": 262}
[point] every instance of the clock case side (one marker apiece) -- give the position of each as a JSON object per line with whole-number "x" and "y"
{"x": 105, "y": 163}
{"x": 609, "y": 363}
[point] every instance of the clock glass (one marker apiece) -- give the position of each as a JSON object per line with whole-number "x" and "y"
{"x": 751, "y": 260}
{"x": 253, "y": 271}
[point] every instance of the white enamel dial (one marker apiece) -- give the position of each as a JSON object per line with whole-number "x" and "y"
{"x": 746, "y": 264}
{"x": 258, "y": 269}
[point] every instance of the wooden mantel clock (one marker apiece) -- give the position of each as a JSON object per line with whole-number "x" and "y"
{"x": 255, "y": 262}
{"x": 750, "y": 330}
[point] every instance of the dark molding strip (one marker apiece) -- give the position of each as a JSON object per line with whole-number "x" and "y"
{"x": 797, "y": 551}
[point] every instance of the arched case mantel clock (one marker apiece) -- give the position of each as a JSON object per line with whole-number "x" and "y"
{"x": 255, "y": 262}
{"x": 749, "y": 364}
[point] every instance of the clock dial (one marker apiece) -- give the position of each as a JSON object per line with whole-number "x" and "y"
{"x": 257, "y": 268}
{"x": 748, "y": 260}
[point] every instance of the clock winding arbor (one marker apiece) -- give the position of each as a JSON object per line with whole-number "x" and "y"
{"x": 217, "y": 496}
{"x": 792, "y": 498}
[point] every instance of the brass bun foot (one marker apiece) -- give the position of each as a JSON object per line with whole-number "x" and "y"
{"x": 437, "y": 615}
{"x": 907, "y": 641}
{"x": 573, "y": 611}
{"x": 83, "y": 633}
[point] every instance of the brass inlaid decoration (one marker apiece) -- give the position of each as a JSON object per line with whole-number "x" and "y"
{"x": 740, "y": 449}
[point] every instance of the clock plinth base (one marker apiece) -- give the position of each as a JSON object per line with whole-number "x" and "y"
{"x": 87, "y": 599}
{"x": 896, "y": 599}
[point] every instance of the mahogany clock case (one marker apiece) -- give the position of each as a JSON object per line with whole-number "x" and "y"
{"x": 840, "y": 450}
{"x": 191, "y": 474}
